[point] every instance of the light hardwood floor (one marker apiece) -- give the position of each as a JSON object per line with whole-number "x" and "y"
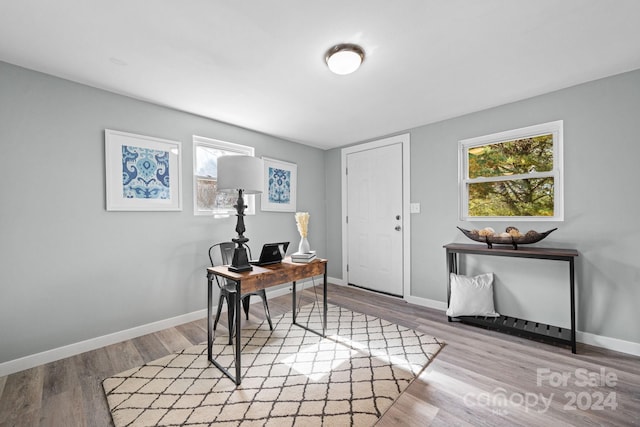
{"x": 479, "y": 378}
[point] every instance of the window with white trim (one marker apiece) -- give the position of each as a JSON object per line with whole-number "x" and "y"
{"x": 514, "y": 175}
{"x": 207, "y": 200}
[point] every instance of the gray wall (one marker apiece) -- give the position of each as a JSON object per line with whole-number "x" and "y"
{"x": 72, "y": 271}
{"x": 601, "y": 153}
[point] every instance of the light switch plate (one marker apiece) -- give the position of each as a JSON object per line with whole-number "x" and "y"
{"x": 415, "y": 207}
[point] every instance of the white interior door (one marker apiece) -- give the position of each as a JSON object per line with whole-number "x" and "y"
{"x": 374, "y": 219}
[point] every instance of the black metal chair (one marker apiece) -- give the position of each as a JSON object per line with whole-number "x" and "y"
{"x": 228, "y": 288}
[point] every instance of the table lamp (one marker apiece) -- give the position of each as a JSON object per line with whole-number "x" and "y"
{"x": 244, "y": 174}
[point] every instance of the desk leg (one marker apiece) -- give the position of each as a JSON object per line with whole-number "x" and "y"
{"x": 293, "y": 301}
{"x": 238, "y": 332}
{"x": 573, "y": 304}
{"x": 324, "y": 303}
{"x": 209, "y": 310}
{"x": 452, "y": 267}
{"x": 238, "y": 321}
{"x": 324, "y": 308}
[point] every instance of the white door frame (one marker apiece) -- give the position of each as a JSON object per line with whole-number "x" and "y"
{"x": 405, "y": 140}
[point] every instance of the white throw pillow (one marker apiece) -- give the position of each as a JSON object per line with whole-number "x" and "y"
{"x": 471, "y": 296}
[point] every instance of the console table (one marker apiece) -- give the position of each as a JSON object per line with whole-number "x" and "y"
{"x": 510, "y": 324}
{"x": 262, "y": 278}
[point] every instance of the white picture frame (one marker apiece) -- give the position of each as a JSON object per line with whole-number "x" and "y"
{"x": 280, "y": 186}
{"x": 142, "y": 173}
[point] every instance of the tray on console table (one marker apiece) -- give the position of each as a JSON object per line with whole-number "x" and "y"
{"x": 510, "y": 324}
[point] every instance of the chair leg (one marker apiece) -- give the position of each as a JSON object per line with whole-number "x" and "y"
{"x": 220, "y": 302}
{"x": 231, "y": 308}
{"x": 245, "y": 304}
{"x": 263, "y": 295}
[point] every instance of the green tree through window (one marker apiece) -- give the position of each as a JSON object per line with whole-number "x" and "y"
{"x": 514, "y": 177}
{"x": 518, "y": 197}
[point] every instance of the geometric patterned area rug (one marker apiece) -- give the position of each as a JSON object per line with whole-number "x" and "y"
{"x": 291, "y": 377}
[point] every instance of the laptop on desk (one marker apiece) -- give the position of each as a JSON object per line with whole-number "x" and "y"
{"x": 272, "y": 253}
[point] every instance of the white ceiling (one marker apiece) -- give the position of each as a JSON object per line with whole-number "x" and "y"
{"x": 259, "y": 64}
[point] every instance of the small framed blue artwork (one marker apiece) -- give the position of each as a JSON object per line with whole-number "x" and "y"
{"x": 280, "y": 180}
{"x": 142, "y": 173}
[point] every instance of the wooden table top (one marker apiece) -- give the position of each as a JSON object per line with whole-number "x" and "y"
{"x": 272, "y": 275}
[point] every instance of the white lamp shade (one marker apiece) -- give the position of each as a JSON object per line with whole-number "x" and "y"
{"x": 244, "y": 173}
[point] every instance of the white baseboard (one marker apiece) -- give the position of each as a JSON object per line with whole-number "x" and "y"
{"x": 33, "y": 360}
{"x": 52, "y": 355}
{"x": 336, "y": 281}
{"x": 609, "y": 343}
{"x": 425, "y": 302}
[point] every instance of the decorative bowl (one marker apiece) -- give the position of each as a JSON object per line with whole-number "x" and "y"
{"x": 530, "y": 237}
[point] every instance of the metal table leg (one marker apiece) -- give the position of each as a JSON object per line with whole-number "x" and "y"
{"x": 293, "y": 303}
{"x": 324, "y": 308}
{"x": 238, "y": 331}
{"x": 209, "y": 310}
{"x": 573, "y": 304}
{"x": 324, "y": 301}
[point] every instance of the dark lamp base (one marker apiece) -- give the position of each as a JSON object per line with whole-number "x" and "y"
{"x": 240, "y": 261}
{"x": 241, "y": 269}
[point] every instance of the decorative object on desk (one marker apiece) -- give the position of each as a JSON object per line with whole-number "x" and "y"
{"x": 471, "y": 296}
{"x": 292, "y": 376}
{"x": 511, "y": 236}
{"x": 302, "y": 221}
{"x": 142, "y": 173}
{"x": 244, "y": 175}
{"x": 303, "y": 257}
{"x": 280, "y": 180}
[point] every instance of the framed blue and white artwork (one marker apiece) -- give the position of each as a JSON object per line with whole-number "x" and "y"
{"x": 280, "y": 179}
{"x": 142, "y": 173}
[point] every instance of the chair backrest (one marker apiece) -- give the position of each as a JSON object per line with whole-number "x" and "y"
{"x": 222, "y": 254}
{"x": 219, "y": 253}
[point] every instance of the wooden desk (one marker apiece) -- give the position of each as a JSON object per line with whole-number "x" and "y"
{"x": 511, "y": 324}
{"x": 262, "y": 278}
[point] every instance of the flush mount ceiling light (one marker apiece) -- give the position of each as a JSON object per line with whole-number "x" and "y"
{"x": 344, "y": 58}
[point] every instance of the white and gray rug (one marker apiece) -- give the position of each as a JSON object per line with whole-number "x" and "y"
{"x": 291, "y": 377}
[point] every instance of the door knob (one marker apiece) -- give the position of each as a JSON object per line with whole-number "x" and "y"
{"x": 398, "y": 217}
{"x": 398, "y": 228}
